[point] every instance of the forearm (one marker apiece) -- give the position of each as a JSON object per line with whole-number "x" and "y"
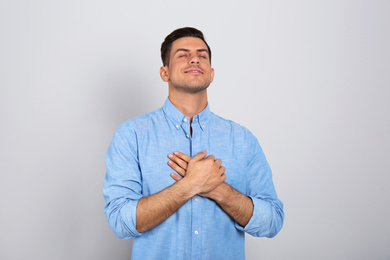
{"x": 154, "y": 209}
{"x": 234, "y": 203}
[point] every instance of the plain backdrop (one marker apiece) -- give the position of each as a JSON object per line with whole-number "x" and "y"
{"x": 311, "y": 79}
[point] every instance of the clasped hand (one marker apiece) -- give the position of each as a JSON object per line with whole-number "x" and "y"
{"x": 204, "y": 173}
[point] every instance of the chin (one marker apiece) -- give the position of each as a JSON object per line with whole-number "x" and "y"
{"x": 196, "y": 88}
{"x": 191, "y": 88}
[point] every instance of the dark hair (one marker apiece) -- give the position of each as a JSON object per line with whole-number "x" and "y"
{"x": 166, "y": 46}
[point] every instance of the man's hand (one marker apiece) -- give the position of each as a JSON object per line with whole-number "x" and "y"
{"x": 234, "y": 203}
{"x": 184, "y": 165}
{"x": 204, "y": 174}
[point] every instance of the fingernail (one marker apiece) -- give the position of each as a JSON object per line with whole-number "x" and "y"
{"x": 177, "y": 153}
{"x": 170, "y": 155}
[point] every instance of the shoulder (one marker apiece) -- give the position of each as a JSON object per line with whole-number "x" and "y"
{"x": 241, "y": 136}
{"x": 140, "y": 123}
{"x": 236, "y": 128}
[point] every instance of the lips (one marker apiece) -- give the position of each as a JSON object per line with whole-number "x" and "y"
{"x": 193, "y": 70}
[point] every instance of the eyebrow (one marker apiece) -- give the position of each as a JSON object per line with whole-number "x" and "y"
{"x": 187, "y": 50}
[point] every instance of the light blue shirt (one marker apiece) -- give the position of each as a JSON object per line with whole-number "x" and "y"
{"x": 137, "y": 166}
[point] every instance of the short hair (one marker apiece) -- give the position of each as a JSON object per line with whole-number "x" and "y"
{"x": 166, "y": 46}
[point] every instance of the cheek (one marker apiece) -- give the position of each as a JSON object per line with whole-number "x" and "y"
{"x": 174, "y": 69}
{"x": 171, "y": 71}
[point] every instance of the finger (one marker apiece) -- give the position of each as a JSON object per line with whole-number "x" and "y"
{"x": 200, "y": 156}
{"x": 218, "y": 162}
{"x": 177, "y": 168}
{"x": 183, "y": 156}
{"x": 178, "y": 161}
{"x": 175, "y": 177}
{"x": 222, "y": 170}
{"x": 211, "y": 157}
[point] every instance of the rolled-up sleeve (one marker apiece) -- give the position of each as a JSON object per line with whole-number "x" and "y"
{"x": 122, "y": 187}
{"x": 268, "y": 216}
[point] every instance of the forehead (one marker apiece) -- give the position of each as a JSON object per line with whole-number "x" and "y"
{"x": 189, "y": 43}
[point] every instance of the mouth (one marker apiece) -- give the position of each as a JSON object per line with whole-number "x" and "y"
{"x": 193, "y": 70}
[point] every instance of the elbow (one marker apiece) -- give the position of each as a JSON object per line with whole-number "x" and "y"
{"x": 120, "y": 230}
{"x": 118, "y": 224}
{"x": 270, "y": 223}
{"x": 276, "y": 223}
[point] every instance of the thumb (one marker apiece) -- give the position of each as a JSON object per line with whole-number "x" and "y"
{"x": 200, "y": 156}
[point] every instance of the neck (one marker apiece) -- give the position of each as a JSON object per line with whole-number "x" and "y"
{"x": 187, "y": 103}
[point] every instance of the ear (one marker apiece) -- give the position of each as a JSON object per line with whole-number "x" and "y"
{"x": 212, "y": 75}
{"x": 164, "y": 73}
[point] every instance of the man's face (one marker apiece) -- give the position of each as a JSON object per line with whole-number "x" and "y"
{"x": 189, "y": 68}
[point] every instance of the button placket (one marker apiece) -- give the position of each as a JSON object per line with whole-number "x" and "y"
{"x": 196, "y": 202}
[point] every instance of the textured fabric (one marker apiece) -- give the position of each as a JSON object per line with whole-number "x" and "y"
{"x": 137, "y": 166}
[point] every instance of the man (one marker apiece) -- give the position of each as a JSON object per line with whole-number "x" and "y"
{"x": 221, "y": 186}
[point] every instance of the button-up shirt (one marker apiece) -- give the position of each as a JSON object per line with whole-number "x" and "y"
{"x": 137, "y": 166}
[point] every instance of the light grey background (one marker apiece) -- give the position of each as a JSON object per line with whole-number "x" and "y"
{"x": 310, "y": 79}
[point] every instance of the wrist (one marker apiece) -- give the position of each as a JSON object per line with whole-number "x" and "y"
{"x": 188, "y": 189}
{"x": 222, "y": 193}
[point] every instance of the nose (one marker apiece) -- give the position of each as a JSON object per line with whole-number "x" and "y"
{"x": 194, "y": 59}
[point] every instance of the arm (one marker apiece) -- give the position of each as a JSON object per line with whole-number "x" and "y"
{"x": 260, "y": 213}
{"x": 233, "y": 202}
{"x": 127, "y": 212}
{"x": 268, "y": 214}
{"x": 203, "y": 175}
{"x": 122, "y": 187}
{"x": 154, "y": 209}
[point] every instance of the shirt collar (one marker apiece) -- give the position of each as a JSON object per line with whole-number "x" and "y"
{"x": 178, "y": 118}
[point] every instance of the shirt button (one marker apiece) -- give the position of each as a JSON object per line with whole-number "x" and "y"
{"x": 177, "y": 126}
{"x": 185, "y": 119}
{"x": 196, "y": 199}
{"x": 188, "y": 136}
{"x": 203, "y": 126}
{"x": 196, "y": 232}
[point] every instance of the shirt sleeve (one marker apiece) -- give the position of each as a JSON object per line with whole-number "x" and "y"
{"x": 267, "y": 218}
{"x": 122, "y": 187}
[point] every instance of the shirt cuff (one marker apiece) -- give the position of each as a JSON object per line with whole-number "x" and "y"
{"x": 129, "y": 215}
{"x": 261, "y": 219}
